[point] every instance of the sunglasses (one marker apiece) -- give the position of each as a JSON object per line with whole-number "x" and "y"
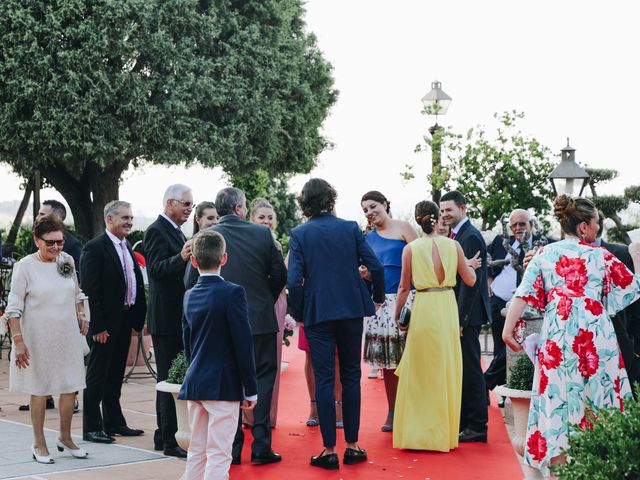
{"x": 51, "y": 243}
{"x": 183, "y": 203}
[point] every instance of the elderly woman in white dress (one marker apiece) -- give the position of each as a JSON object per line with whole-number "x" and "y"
{"x": 47, "y": 320}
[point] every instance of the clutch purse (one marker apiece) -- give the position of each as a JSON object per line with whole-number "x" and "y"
{"x": 405, "y": 317}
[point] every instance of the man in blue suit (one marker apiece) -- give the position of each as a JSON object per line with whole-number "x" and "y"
{"x": 219, "y": 348}
{"x": 473, "y": 311}
{"x": 327, "y": 294}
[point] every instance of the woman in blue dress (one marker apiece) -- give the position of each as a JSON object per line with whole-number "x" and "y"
{"x": 384, "y": 342}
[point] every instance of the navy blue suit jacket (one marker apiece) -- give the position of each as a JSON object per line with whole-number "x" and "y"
{"x": 473, "y": 302}
{"x": 217, "y": 342}
{"x": 323, "y": 280}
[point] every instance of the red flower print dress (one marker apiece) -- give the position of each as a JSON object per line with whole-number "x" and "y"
{"x": 578, "y": 287}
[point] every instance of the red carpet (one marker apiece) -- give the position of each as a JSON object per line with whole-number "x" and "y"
{"x": 296, "y": 442}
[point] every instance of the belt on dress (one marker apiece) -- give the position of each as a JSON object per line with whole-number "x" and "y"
{"x": 436, "y": 289}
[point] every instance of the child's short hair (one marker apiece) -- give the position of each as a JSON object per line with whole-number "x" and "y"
{"x": 208, "y": 249}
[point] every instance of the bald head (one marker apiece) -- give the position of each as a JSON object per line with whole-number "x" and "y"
{"x": 520, "y": 224}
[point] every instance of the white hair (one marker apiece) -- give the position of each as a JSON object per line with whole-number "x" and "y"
{"x": 174, "y": 192}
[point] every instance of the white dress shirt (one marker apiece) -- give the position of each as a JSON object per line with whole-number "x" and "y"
{"x": 504, "y": 285}
{"x": 116, "y": 243}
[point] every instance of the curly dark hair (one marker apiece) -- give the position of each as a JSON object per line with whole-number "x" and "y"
{"x": 317, "y": 196}
{"x": 46, "y": 224}
{"x": 571, "y": 212}
{"x": 426, "y": 215}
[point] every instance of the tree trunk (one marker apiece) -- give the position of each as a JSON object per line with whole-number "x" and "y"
{"x": 15, "y": 226}
{"x": 618, "y": 221}
{"x": 88, "y": 194}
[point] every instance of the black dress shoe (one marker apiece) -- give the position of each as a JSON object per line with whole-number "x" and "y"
{"x": 175, "y": 452}
{"x": 502, "y": 401}
{"x": 265, "y": 458}
{"x": 24, "y": 408}
{"x": 329, "y": 461}
{"x": 354, "y": 455}
{"x": 125, "y": 431}
{"x": 468, "y": 436}
{"x": 98, "y": 437}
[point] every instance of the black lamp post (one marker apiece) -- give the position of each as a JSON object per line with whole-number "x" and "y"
{"x": 436, "y": 102}
{"x": 569, "y": 177}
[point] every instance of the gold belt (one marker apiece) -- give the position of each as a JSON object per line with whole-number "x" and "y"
{"x": 436, "y": 289}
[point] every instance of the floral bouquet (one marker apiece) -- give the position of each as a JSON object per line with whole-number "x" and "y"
{"x": 289, "y": 326}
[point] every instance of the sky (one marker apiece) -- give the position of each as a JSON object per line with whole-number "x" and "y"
{"x": 570, "y": 66}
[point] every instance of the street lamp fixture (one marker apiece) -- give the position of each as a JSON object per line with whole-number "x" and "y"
{"x": 436, "y": 102}
{"x": 568, "y": 176}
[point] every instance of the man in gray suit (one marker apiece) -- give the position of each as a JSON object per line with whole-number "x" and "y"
{"x": 255, "y": 263}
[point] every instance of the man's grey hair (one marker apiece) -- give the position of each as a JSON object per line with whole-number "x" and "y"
{"x": 112, "y": 207}
{"x": 521, "y": 211}
{"x": 174, "y": 192}
{"x": 227, "y": 200}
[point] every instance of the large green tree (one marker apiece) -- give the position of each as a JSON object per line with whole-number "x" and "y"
{"x": 612, "y": 205}
{"x": 497, "y": 173}
{"x": 90, "y": 87}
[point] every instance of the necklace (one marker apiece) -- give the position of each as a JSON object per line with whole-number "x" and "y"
{"x": 42, "y": 259}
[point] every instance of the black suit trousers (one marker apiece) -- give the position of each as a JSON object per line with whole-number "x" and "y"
{"x": 166, "y": 348}
{"x": 496, "y": 374}
{"x": 323, "y": 339}
{"x": 105, "y": 371}
{"x": 474, "y": 414}
{"x": 266, "y": 357}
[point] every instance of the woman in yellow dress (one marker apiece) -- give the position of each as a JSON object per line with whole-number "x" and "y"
{"x": 427, "y": 415}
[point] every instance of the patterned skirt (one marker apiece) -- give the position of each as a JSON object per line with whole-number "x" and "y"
{"x": 383, "y": 342}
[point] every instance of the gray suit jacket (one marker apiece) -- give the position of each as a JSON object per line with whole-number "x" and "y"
{"x": 253, "y": 262}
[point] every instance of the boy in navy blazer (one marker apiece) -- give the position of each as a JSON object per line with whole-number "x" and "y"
{"x": 219, "y": 349}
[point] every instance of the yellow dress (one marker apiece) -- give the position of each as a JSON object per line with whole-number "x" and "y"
{"x": 427, "y": 413}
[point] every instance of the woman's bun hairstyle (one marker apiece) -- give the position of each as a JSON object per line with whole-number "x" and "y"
{"x": 426, "y": 215}
{"x": 571, "y": 212}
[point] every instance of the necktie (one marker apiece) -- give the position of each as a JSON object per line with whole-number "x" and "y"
{"x": 128, "y": 275}
{"x": 452, "y": 235}
{"x": 181, "y": 235}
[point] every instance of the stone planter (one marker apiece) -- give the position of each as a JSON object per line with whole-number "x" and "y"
{"x": 520, "y": 401}
{"x": 183, "y": 435}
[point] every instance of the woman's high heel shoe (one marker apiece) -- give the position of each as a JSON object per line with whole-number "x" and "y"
{"x": 46, "y": 459}
{"x": 75, "y": 452}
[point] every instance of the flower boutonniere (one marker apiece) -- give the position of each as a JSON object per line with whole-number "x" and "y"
{"x": 65, "y": 268}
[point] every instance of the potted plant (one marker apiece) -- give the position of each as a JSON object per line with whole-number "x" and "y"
{"x": 172, "y": 385}
{"x": 605, "y": 446}
{"x": 518, "y": 390}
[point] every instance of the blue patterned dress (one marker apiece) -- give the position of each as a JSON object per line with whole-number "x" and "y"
{"x": 579, "y": 368}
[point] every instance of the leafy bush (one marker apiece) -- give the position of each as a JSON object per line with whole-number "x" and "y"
{"x": 607, "y": 451}
{"x": 521, "y": 374}
{"x": 178, "y": 369}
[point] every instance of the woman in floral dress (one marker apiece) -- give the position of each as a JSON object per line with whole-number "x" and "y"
{"x": 579, "y": 368}
{"x": 383, "y": 341}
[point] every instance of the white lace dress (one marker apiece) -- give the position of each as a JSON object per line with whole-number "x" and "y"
{"x": 45, "y": 301}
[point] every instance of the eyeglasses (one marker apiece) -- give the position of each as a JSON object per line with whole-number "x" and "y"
{"x": 183, "y": 203}
{"x": 51, "y": 243}
{"x": 518, "y": 224}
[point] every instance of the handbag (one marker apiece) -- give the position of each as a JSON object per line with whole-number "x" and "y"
{"x": 405, "y": 317}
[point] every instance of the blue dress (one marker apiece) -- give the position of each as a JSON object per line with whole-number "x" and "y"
{"x": 383, "y": 342}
